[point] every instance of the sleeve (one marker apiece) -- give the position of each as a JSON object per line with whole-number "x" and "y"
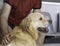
{"x": 37, "y": 4}
{"x": 13, "y": 3}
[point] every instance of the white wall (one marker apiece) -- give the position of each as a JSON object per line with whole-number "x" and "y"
{"x": 52, "y": 0}
{"x": 53, "y": 9}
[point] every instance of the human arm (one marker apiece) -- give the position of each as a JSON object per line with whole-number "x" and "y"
{"x": 36, "y": 10}
{"x": 4, "y": 17}
{"x": 37, "y": 6}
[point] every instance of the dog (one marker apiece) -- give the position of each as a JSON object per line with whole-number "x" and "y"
{"x": 30, "y": 32}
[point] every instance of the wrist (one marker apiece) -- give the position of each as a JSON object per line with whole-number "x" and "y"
{"x": 36, "y": 10}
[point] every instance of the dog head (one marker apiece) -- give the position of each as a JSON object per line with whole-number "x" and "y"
{"x": 33, "y": 23}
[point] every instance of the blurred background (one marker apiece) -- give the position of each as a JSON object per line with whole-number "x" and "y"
{"x": 52, "y": 8}
{"x": 52, "y": 0}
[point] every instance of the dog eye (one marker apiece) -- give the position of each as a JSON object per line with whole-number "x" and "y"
{"x": 40, "y": 18}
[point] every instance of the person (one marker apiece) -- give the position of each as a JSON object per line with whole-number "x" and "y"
{"x": 14, "y": 11}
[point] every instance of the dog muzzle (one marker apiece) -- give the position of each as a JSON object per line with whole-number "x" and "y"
{"x": 42, "y": 29}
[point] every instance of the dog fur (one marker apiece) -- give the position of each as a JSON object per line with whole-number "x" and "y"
{"x": 26, "y": 34}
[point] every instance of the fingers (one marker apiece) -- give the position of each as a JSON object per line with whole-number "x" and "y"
{"x": 6, "y": 40}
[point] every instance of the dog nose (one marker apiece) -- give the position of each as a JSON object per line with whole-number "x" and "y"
{"x": 50, "y": 21}
{"x": 42, "y": 29}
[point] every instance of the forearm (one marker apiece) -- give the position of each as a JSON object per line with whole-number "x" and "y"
{"x": 4, "y": 17}
{"x": 36, "y": 10}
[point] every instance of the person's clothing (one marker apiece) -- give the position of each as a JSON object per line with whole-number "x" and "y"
{"x": 20, "y": 9}
{"x": 11, "y": 25}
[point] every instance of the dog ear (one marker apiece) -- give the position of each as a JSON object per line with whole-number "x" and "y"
{"x": 25, "y": 23}
{"x": 29, "y": 28}
{"x": 28, "y": 22}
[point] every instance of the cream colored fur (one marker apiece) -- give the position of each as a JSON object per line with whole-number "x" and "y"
{"x": 26, "y": 34}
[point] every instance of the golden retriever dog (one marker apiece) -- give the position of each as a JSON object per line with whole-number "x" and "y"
{"x": 30, "y": 32}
